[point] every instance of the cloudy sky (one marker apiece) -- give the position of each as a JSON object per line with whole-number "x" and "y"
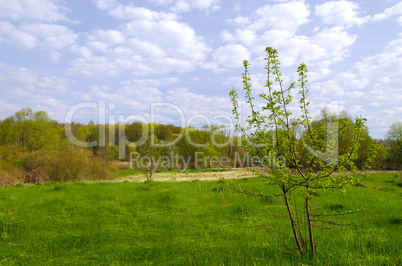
{"x": 126, "y": 55}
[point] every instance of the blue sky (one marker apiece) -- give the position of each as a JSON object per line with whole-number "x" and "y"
{"x": 126, "y": 55}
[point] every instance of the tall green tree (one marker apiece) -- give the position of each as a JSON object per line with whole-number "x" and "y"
{"x": 344, "y": 121}
{"x": 394, "y": 140}
{"x": 31, "y": 130}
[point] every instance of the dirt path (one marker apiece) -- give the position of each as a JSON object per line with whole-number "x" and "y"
{"x": 238, "y": 173}
{"x": 180, "y": 177}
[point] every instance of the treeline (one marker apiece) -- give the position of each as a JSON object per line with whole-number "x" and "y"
{"x": 146, "y": 144}
{"x": 211, "y": 146}
{"x": 35, "y": 148}
{"x": 393, "y": 144}
{"x": 203, "y": 146}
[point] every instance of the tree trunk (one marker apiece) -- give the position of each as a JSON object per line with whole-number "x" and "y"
{"x": 293, "y": 223}
{"x": 310, "y": 228}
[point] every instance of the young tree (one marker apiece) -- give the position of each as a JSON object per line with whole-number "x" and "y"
{"x": 149, "y": 154}
{"x": 272, "y": 133}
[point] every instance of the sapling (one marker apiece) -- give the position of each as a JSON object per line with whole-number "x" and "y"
{"x": 312, "y": 159}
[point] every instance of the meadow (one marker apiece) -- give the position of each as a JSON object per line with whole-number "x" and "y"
{"x": 194, "y": 222}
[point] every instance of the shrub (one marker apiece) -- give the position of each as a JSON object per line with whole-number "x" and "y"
{"x": 11, "y": 176}
{"x": 9, "y": 171}
{"x": 66, "y": 163}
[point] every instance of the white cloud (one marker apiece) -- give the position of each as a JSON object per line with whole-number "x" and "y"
{"x": 273, "y": 25}
{"x": 140, "y": 13}
{"x": 21, "y": 87}
{"x": 151, "y": 43}
{"x": 8, "y": 108}
{"x": 28, "y": 10}
{"x": 335, "y": 41}
{"x": 247, "y": 36}
{"x": 197, "y": 104}
{"x": 102, "y": 40}
{"x": 154, "y": 82}
{"x": 106, "y": 66}
{"x": 231, "y": 56}
{"x": 82, "y": 51}
{"x": 111, "y": 37}
{"x": 276, "y": 25}
{"x": 55, "y": 56}
{"x": 395, "y": 10}
{"x": 26, "y": 80}
{"x": 55, "y": 108}
{"x": 11, "y": 35}
{"x": 45, "y": 36}
{"x": 53, "y": 37}
{"x": 128, "y": 95}
{"x": 226, "y": 36}
{"x": 206, "y": 4}
{"x": 340, "y": 13}
{"x": 177, "y": 39}
{"x": 136, "y": 97}
{"x": 239, "y": 21}
{"x": 283, "y": 16}
{"x": 104, "y": 4}
{"x": 294, "y": 49}
{"x": 181, "y": 6}
{"x": 375, "y": 81}
{"x": 34, "y": 26}
{"x": 235, "y": 82}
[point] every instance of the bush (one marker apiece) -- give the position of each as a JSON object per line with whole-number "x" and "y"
{"x": 63, "y": 162}
{"x": 11, "y": 176}
{"x": 9, "y": 171}
{"x": 32, "y": 150}
{"x": 66, "y": 163}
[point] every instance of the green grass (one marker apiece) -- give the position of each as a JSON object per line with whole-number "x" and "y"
{"x": 185, "y": 223}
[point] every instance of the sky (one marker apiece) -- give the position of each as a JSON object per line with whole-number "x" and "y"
{"x": 118, "y": 60}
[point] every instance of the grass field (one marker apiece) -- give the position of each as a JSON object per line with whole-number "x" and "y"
{"x": 162, "y": 223}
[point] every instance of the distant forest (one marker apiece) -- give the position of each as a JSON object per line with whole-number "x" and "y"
{"x": 35, "y": 148}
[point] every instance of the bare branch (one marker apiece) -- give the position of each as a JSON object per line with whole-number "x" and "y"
{"x": 328, "y": 222}
{"x": 335, "y": 214}
{"x": 251, "y": 194}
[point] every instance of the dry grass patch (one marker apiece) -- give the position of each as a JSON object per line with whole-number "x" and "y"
{"x": 189, "y": 177}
